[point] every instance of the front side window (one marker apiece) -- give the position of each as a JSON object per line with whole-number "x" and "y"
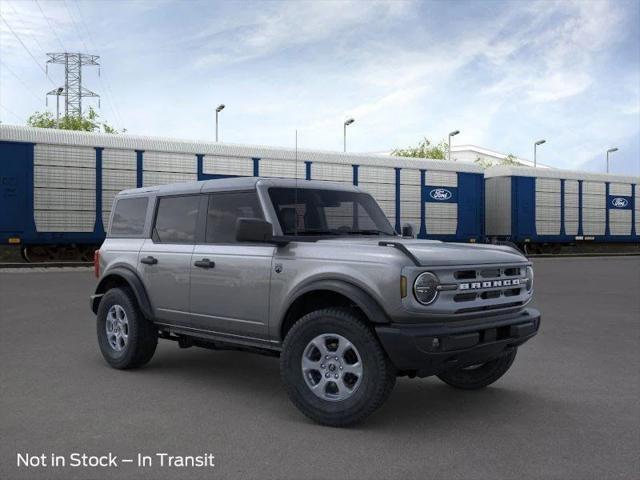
{"x": 176, "y": 219}
{"x": 307, "y": 211}
{"x": 128, "y": 217}
{"x": 224, "y": 209}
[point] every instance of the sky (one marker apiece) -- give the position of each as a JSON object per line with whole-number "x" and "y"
{"x": 503, "y": 73}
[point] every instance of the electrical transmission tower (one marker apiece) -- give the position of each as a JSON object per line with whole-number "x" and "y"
{"x": 73, "y": 91}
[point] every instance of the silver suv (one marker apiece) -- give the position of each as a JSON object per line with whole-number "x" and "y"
{"x": 311, "y": 272}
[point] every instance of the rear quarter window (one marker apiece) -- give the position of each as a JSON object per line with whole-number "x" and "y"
{"x": 128, "y": 217}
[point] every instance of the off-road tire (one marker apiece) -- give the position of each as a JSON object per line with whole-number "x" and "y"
{"x": 482, "y": 376}
{"x": 142, "y": 334}
{"x": 378, "y": 377}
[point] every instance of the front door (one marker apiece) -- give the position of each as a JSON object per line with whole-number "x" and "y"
{"x": 165, "y": 259}
{"x": 230, "y": 280}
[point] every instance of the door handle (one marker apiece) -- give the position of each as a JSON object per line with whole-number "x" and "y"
{"x": 204, "y": 263}
{"x": 149, "y": 260}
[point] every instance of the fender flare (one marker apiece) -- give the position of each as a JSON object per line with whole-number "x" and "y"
{"x": 133, "y": 281}
{"x": 363, "y": 300}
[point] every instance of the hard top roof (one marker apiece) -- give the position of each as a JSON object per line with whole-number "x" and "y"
{"x": 236, "y": 183}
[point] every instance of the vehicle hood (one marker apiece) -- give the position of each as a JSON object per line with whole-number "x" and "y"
{"x": 435, "y": 253}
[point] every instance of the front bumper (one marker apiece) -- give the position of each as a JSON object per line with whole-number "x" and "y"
{"x": 431, "y": 349}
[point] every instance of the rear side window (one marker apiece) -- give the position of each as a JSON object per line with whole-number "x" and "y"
{"x": 224, "y": 209}
{"x": 128, "y": 217}
{"x": 176, "y": 219}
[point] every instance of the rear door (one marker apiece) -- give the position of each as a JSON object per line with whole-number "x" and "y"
{"x": 165, "y": 258}
{"x": 230, "y": 280}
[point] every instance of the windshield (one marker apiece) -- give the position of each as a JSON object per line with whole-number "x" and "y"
{"x": 307, "y": 211}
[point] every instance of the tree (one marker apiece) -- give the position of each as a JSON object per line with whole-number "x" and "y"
{"x": 85, "y": 123}
{"x": 508, "y": 160}
{"x": 424, "y": 150}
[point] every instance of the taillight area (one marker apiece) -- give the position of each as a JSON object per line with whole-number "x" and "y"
{"x": 96, "y": 263}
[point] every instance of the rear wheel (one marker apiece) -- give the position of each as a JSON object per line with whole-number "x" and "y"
{"x": 481, "y": 375}
{"x": 334, "y": 368}
{"x": 126, "y": 338}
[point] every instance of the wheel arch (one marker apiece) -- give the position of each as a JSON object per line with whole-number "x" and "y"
{"x": 329, "y": 293}
{"x": 122, "y": 276}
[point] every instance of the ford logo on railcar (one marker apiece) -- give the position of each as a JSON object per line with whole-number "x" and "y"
{"x": 440, "y": 194}
{"x": 619, "y": 202}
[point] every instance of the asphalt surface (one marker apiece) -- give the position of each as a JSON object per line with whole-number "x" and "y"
{"x": 568, "y": 408}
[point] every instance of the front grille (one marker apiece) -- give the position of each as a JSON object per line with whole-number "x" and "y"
{"x": 487, "y": 288}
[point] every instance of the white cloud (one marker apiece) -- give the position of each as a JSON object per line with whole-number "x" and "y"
{"x": 402, "y": 69}
{"x": 277, "y": 26}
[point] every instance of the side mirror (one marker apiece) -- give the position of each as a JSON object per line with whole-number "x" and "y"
{"x": 253, "y": 230}
{"x": 407, "y": 230}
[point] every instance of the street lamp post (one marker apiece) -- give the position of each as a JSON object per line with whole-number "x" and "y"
{"x": 451, "y": 134}
{"x": 611, "y": 150}
{"x": 218, "y": 110}
{"x": 344, "y": 137}
{"x": 535, "y": 152}
{"x": 58, "y": 92}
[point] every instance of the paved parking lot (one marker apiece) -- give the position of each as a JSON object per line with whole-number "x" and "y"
{"x": 569, "y": 408}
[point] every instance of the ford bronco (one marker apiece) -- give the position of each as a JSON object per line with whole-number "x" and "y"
{"x": 311, "y": 272}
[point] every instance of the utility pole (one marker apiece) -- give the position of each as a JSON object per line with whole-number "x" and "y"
{"x": 73, "y": 90}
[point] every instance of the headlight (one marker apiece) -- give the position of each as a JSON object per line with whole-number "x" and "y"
{"x": 425, "y": 288}
{"x": 529, "y": 279}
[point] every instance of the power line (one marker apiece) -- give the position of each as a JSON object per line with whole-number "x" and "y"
{"x": 27, "y": 49}
{"x": 11, "y": 112}
{"x": 75, "y": 26}
{"x": 106, "y": 84}
{"x": 26, "y": 28}
{"x": 24, "y": 84}
{"x": 50, "y": 25}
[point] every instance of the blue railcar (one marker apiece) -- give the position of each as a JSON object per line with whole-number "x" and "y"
{"x": 550, "y": 206}
{"x": 58, "y": 186}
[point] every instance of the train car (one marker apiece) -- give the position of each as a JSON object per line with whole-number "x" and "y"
{"x": 58, "y": 186}
{"x": 546, "y": 208}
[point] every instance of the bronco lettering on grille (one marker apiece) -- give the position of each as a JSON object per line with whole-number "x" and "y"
{"x": 489, "y": 284}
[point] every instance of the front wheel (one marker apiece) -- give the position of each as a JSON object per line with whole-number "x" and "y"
{"x": 334, "y": 368}
{"x": 481, "y": 375}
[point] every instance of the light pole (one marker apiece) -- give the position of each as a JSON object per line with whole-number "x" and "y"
{"x": 346, "y": 123}
{"x": 58, "y": 92}
{"x": 611, "y": 150}
{"x": 451, "y": 134}
{"x": 218, "y": 110}
{"x": 535, "y": 151}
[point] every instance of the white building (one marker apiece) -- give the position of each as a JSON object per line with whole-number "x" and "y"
{"x": 470, "y": 153}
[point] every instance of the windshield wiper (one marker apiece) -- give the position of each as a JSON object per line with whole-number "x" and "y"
{"x": 367, "y": 232}
{"x": 338, "y": 233}
{"x": 314, "y": 232}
